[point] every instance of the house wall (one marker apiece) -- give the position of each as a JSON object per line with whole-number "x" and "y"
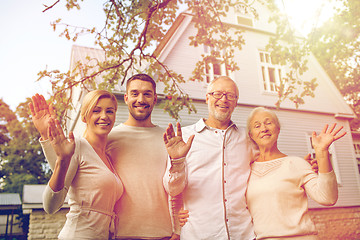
{"x": 337, "y": 223}
{"x": 46, "y": 226}
{"x": 261, "y": 23}
{"x": 183, "y": 58}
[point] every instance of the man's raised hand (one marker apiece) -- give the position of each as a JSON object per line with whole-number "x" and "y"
{"x": 175, "y": 145}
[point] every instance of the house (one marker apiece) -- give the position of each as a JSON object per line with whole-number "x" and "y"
{"x": 41, "y": 225}
{"x": 10, "y": 208}
{"x": 256, "y": 80}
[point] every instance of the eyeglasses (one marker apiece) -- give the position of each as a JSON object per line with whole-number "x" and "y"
{"x": 219, "y": 95}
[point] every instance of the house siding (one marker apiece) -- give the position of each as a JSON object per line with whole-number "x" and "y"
{"x": 184, "y": 57}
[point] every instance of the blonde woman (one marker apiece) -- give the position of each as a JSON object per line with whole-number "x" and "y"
{"x": 82, "y": 170}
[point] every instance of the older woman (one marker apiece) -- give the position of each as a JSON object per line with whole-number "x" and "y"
{"x": 279, "y": 184}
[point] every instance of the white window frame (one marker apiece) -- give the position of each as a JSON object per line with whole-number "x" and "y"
{"x": 332, "y": 153}
{"x": 209, "y": 69}
{"x": 271, "y": 74}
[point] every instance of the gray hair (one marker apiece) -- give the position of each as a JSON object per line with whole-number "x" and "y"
{"x": 222, "y": 78}
{"x": 261, "y": 109}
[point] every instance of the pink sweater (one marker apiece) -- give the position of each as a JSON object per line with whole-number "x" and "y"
{"x": 277, "y": 197}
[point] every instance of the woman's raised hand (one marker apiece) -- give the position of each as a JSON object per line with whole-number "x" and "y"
{"x": 41, "y": 114}
{"x": 327, "y": 136}
{"x": 63, "y": 147}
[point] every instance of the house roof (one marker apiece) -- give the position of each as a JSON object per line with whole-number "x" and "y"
{"x": 32, "y": 197}
{"x": 169, "y": 34}
{"x": 86, "y": 55}
{"x": 10, "y": 199}
{"x": 92, "y": 56}
{"x": 32, "y": 194}
{"x": 328, "y": 99}
{"x": 10, "y": 203}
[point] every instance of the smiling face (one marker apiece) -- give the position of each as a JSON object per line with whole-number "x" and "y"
{"x": 264, "y": 129}
{"x": 220, "y": 110}
{"x": 140, "y": 98}
{"x": 101, "y": 119}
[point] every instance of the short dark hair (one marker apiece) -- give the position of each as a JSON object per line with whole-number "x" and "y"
{"x": 142, "y": 77}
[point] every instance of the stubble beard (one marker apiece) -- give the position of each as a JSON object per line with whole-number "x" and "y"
{"x": 219, "y": 116}
{"x": 140, "y": 117}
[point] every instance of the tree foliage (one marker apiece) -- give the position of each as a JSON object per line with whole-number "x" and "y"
{"x": 289, "y": 49}
{"x": 336, "y": 44}
{"x": 21, "y": 158}
{"x": 133, "y": 28}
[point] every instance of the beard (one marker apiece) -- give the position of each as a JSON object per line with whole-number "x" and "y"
{"x": 142, "y": 116}
{"x": 220, "y": 116}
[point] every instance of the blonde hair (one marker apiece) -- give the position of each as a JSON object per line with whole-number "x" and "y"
{"x": 91, "y": 99}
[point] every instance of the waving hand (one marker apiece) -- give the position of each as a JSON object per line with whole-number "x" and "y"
{"x": 41, "y": 113}
{"x": 175, "y": 144}
{"x": 326, "y": 137}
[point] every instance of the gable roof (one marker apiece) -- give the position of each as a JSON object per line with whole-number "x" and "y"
{"x": 328, "y": 99}
{"x": 169, "y": 34}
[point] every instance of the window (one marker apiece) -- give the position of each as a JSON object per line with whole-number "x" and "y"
{"x": 357, "y": 153}
{"x": 357, "y": 148}
{"x": 215, "y": 69}
{"x": 331, "y": 153}
{"x": 212, "y": 71}
{"x": 271, "y": 73}
{"x": 243, "y": 17}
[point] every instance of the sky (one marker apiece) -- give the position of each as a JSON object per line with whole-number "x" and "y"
{"x": 29, "y": 45}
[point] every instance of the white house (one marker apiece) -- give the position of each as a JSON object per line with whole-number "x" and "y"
{"x": 256, "y": 80}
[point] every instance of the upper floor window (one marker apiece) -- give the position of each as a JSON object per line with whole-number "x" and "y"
{"x": 271, "y": 73}
{"x": 242, "y": 15}
{"x": 216, "y": 68}
{"x": 357, "y": 148}
{"x": 332, "y": 156}
{"x": 357, "y": 153}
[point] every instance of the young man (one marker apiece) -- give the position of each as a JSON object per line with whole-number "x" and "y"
{"x": 139, "y": 157}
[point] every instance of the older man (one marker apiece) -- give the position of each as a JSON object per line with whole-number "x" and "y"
{"x": 212, "y": 175}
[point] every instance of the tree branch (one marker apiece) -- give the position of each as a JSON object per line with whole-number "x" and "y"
{"x": 47, "y": 8}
